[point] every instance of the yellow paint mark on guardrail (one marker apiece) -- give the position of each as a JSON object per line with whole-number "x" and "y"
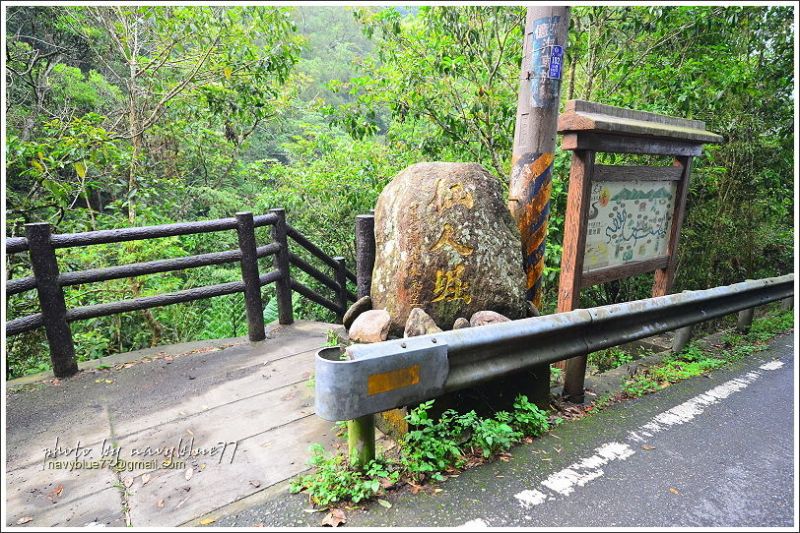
{"x": 396, "y": 379}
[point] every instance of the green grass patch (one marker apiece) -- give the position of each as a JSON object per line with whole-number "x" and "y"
{"x": 694, "y": 361}
{"x": 609, "y": 359}
{"x": 691, "y": 362}
{"x": 763, "y": 329}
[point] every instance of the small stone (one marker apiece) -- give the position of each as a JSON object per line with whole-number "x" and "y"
{"x": 361, "y": 305}
{"x": 482, "y": 318}
{"x": 461, "y": 323}
{"x": 420, "y": 323}
{"x": 370, "y": 326}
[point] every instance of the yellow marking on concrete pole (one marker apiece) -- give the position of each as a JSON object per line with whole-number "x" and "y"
{"x": 395, "y": 379}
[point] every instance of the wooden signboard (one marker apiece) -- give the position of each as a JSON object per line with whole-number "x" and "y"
{"x": 624, "y": 220}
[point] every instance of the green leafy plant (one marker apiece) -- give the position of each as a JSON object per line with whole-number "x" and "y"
{"x": 331, "y": 338}
{"x": 528, "y": 418}
{"x": 334, "y": 481}
{"x": 493, "y": 435}
{"x": 431, "y": 446}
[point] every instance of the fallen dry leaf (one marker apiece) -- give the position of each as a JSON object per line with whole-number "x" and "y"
{"x": 648, "y": 447}
{"x": 673, "y": 490}
{"x": 384, "y": 503}
{"x": 188, "y": 474}
{"x": 24, "y": 520}
{"x": 415, "y": 488}
{"x": 55, "y": 493}
{"x": 145, "y": 479}
{"x": 437, "y": 491}
{"x": 386, "y": 482}
{"x": 160, "y": 504}
{"x": 335, "y": 518}
{"x": 128, "y": 481}
{"x": 207, "y": 521}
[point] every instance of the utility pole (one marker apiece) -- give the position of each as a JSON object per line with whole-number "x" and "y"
{"x": 535, "y": 135}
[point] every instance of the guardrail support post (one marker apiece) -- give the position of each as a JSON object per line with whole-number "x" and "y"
{"x": 341, "y": 280}
{"x": 574, "y": 375}
{"x": 681, "y": 339}
{"x": 682, "y": 336}
{"x": 51, "y": 299}
{"x": 787, "y": 304}
{"x": 361, "y": 440}
{"x": 365, "y": 253}
{"x": 283, "y": 287}
{"x": 744, "y": 320}
{"x": 252, "y": 287}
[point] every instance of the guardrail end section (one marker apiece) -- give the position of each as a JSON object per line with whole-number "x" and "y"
{"x": 350, "y": 389}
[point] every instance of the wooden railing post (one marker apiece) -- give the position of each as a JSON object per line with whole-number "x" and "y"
{"x": 341, "y": 280}
{"x": 51, "y": 299}
{"x": 252, "y": 287}
{"x": 365, "y": 253}
{"x": 283, "y": 287}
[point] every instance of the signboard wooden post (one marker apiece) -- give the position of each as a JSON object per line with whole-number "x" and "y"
{"x": 622, "y": 220}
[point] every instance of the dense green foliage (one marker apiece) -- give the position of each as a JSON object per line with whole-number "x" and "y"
{"x": 430, "y": 448}
{"x": 120, "y": 116}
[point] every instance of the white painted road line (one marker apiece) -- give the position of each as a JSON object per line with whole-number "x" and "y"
{"x": 578, "y": 474}
{"x": 474, "y": 524}
{"x": 530, "y": 498}
{"x": 772, "y": 365}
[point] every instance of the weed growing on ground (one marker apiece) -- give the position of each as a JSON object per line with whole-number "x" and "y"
{"x": 430, "y": 448}
{"x": 694, "y": 361}
{"x": 763, "y": 329}
{"x": 609, "y": 359}
{"x": 690, "y": 362}
{"x": 333, "y": 481}
{"x": 331, "y": 338}
{"x": 555, "y": 376}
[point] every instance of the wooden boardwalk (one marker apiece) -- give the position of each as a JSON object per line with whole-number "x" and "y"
{"x": 242, "y": 412}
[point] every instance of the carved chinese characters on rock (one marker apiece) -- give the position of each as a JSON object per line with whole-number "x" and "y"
{"x": 450, "y": 286}
{"x": 445, "y": 243}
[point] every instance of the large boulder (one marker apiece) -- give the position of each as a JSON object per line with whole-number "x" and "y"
{"x": 446, "y": 243}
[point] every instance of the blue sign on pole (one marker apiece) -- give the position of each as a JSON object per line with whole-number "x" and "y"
{"x": 556, "y": 60}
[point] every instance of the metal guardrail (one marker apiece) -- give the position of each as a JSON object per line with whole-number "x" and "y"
{"x": 376, "y": 377}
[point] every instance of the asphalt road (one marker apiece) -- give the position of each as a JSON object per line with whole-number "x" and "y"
{"x": 717, "y": 450}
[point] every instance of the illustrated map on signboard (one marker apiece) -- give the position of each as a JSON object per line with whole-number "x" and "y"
{"x": 628, "y": 221}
